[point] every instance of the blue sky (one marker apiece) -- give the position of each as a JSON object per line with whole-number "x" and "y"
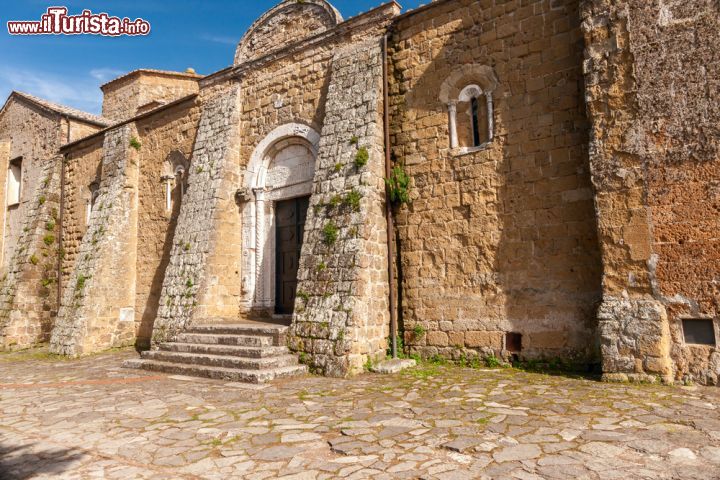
{"x": 185, "y": 33}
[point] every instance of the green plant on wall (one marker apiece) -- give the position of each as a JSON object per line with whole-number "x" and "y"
{"x": 330, "y": 233}
{"x": 304, "y": 296}
{"x": 335, "y": 201}
{"x": 361, "y": 157}
{"x": 352, "y": 200}
{"x": 49, "y": 239}
{"x": 80, "y": 283}
{"x": 135, "y": 143}
{"x": 399, "y": 186}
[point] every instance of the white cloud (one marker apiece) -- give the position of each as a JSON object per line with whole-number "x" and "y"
{"x": 104, "y": 75}
{"x": 220, "y": 39}
{"x": 79, "y": 91}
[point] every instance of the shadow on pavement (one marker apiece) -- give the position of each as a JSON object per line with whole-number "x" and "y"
{"x": 28, "y": 461}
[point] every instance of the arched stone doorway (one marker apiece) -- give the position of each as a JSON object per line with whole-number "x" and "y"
{"x": 279, "y": 178}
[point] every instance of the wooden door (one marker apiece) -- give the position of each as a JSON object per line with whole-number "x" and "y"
{"x": 289, "y": 226}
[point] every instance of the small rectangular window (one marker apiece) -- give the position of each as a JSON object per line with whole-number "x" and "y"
{"x": 699, "y": 331}
{"x": 14, "y": 181}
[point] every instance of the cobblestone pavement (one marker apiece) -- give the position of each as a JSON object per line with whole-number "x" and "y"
{"x": 91, "y": 419}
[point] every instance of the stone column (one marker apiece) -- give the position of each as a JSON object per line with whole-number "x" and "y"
{"x": 168, "y": 192}
{"x": 452, "y": 118}
{"x": 259, "y": 246}
{"x": 490, "y": 116}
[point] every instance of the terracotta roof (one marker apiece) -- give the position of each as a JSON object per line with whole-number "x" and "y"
{"x": 150, "y": 70}
{"x": 61, "y": 109}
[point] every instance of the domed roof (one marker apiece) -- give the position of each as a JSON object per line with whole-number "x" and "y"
{"x": 284, "y": 24}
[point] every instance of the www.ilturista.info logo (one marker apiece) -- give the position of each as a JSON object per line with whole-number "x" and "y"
{"x": 57, "y": 22}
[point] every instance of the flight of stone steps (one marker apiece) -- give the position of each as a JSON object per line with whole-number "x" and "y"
{"x": 251, "y": 353}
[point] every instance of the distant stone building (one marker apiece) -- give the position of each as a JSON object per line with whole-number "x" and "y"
{"x": 563, "y": 170}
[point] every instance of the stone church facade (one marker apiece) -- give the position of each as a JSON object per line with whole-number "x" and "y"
{"x": 562, "y": 166}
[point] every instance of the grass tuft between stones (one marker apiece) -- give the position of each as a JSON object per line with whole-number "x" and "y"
{"x": 330, "y": 233}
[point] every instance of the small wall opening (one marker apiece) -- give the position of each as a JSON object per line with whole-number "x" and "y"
{"x": 513, "y": 342}
{"x": 94, "y": 193}
{"x": 699, "y": 331}
{"x": 14, "y": 182}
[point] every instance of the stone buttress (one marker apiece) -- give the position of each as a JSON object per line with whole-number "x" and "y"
{"x": 632, "y": 323}
{"x": 202, "y": 281}
{"x": 341, "y": 312}
{"x": 97, "y": 305}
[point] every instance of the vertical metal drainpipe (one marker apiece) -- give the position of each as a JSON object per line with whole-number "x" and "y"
{"x": 388, "y": 204}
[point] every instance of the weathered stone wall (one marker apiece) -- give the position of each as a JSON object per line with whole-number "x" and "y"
{"x": 83, "y": 167}
{"x": 28, "y": 299}
{"x": 239, "y": 109}
{"x": 651, "y": 75}
{"x": 5, "y": 146}
{"x": 124, "y": 96}
{"x": 80, "y": 130}
{"x": 98, "y": 302}
{"x": 35, "y": 136}
{"x": 202, "y": 280}
{"x": 341, "y": 313}
{"x": 501, "y": 239}
{"x": 28, "y": 289}
{"x": 291, "y": 90}
{"x": 162, "y": 136}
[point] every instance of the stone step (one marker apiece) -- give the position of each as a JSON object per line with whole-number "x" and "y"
{"x": 227, "y": 339}
{"x": 230, "y": 350}
{"x": 277, "y": 332}
{"x": 223, "y": 361}
{"x": 218, "y": 373}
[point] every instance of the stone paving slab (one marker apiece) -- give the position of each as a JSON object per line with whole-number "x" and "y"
{"x": 90, "y": 418}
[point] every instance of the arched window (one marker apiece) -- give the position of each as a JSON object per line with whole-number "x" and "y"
{"x": 468, "y": 94}
{"x": 479, "y": 109}
{"x": 175, "y": 180}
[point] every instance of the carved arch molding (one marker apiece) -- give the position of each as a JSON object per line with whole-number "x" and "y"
{"x": 285, "y": 24}
{"x": 281, "y": 167}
